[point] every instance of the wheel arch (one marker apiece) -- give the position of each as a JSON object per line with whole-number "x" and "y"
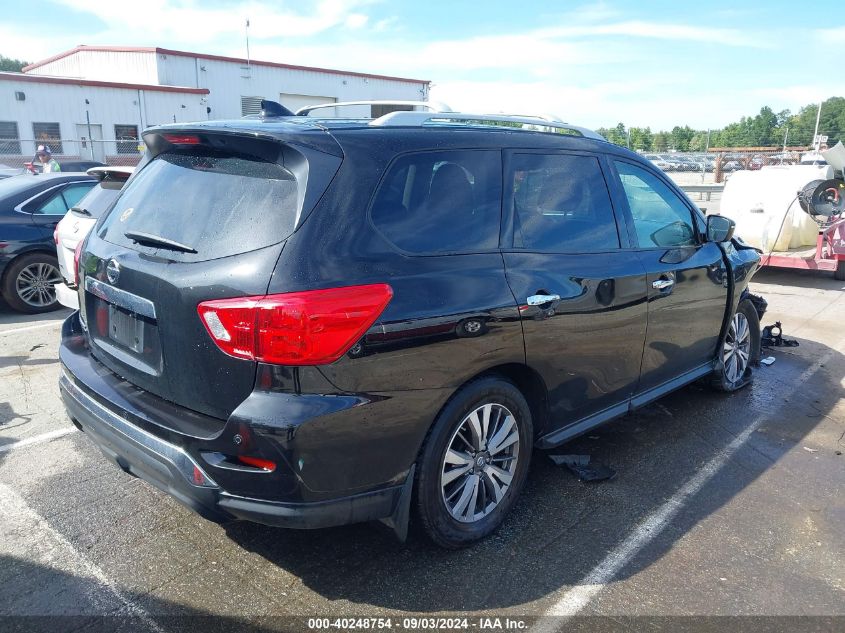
{"x": 32, "y": 250}
{"x": 527, "y": 380}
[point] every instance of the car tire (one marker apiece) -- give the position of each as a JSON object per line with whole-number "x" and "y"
{"x": 839, "y": 273}
{"x": 28, "y": 283}
{"x": 740, "y": 350}
{"x": 465, "y": 486}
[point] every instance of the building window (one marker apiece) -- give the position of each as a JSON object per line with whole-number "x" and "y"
{"x": 9, "y": 139}
{"x": 48, "y": 134}
{"x": 127, "y": 139}
{"x": 251, "y": 105}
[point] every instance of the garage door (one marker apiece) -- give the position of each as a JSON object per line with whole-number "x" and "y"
{"x": 296, "y": 101}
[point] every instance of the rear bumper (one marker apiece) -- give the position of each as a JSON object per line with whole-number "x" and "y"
{"x": 174, "y": 471}
{"x": 68, "y": 297}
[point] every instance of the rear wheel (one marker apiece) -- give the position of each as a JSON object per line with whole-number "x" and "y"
{"x": 474, "y": 463}
{"x": 29, "y": 283}
{"x": 740, "y": 349}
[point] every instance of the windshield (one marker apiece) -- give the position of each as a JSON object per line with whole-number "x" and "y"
{"x": 219, "y": 203}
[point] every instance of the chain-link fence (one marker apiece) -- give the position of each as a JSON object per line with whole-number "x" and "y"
{"x": 19, "y": 155}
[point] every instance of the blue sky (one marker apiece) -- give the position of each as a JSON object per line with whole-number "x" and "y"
{"x": 655, "y": 63}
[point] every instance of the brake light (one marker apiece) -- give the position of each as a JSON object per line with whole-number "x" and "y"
{"x": 182, "y": 139}
{"x": 76, "y": 254}
{"x": 313, "y": 327}
{"x": 257, "y": 462}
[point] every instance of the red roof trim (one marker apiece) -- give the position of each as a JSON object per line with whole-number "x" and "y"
{"x": 83, "y": 47}
{"x": 42, "y": 79}
{"x": 220, "y": 58}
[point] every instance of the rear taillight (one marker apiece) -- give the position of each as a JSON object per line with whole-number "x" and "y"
{"x": 76, "y": 253}
{"x": 182, "y": 139}
{"x": 313, "y": 327}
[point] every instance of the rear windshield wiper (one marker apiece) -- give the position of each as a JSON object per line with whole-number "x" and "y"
{"x": 81, "y": 211}
{"x": 154, "y": 240}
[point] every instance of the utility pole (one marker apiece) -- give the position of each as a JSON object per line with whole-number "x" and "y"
{"x": 247, "y": 43}
{"x": 816, "y": 142}
{"x": 785, "y": 137}
{"x": 88, "y": 122}
{"x": 704, "y": 160}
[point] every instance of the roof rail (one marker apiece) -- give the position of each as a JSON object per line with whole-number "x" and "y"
{"x": 431, "y": 105}
{"x": 419, "y": 119}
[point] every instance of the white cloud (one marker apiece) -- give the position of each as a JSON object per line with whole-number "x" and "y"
{"x": 356, "y": 20}
{"x": 193, "y": 22}
{"x": 834, "y": 35}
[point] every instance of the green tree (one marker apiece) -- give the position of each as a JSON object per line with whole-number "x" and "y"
{"x": 7, "y": 64}
{"x": 661, "y": 142}
{"x": 641, "y": 138}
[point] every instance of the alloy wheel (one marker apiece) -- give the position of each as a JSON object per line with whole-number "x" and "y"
{"x": 35, "y": 284}
{"x": 480, "y": 462}
{"x": 737, "y": 348}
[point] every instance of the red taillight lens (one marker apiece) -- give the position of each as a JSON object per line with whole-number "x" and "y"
{"x": 314, "y": 327}
{"x": 182, "y": 139}
{"x": 257, "y": 462}
{"x": 76, "y": 253}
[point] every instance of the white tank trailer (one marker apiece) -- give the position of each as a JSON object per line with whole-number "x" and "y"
{"x": 794, "y": 214}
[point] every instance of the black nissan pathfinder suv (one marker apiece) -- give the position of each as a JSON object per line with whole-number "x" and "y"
{"x": 308, "y": 322}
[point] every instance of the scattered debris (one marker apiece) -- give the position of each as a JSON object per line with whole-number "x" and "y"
{"x": 767, "y": 361}
{"x": 772, "y": 336}
{"x": 811, "y": 450}
{"x": 584, "y": 468}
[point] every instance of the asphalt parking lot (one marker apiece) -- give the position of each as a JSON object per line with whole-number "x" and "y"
{"x": 722, "y": 506}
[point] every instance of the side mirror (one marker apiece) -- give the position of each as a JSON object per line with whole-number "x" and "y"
{"x": 719, "y": 228}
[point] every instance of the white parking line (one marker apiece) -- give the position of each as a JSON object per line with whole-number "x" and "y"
{"x": 574, "y": 600}
{"x": 27, "y": 328}
{"x": 27, "y": 536}
{"x": 38, "y": 439}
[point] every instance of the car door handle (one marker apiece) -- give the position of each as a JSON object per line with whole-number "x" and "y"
{"x": 662, "y": 284}
{"x": 538, "y": 300}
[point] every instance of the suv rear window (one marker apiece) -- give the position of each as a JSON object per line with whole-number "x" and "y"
{"x": 218, "y": 203}
{"x": 100, "y": 198}
{"x": 441, "y": 202}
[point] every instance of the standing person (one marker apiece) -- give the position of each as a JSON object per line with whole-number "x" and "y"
{"x": 48, "y": 163}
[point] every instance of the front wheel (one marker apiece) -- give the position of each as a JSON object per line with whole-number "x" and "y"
{"x": 474, "y": 463}
{"x": 740, "y": 349}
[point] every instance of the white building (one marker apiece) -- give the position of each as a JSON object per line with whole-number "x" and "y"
{"x": 108, "y": 94}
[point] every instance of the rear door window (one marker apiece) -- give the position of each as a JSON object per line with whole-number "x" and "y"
{"x": 218, "y": 203}
{"x": 561, "y": 204}
{"x": 63, "y": 199}
{"x": 441, "y": 202}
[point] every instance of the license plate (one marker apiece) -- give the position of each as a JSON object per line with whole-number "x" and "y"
{"x": 126, "y": 329}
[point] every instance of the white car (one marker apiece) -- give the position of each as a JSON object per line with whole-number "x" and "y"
{"x": 79, "y": 220}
